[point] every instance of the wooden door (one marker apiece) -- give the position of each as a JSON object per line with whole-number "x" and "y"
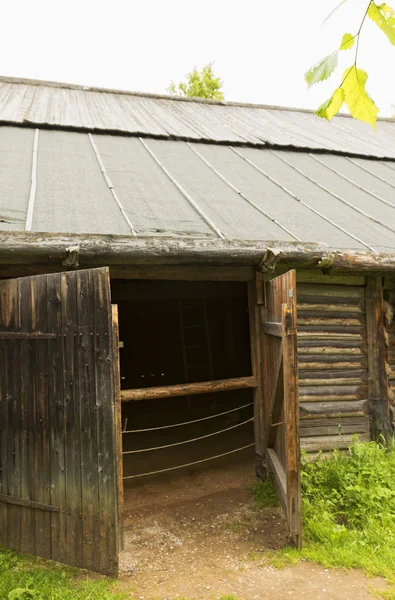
{"x": 59, "y": 419}
{"x": 280, "y": 395}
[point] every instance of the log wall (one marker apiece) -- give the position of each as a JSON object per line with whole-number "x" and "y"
{"x": 389, "y": 310}
{"x": 333, "y": 374}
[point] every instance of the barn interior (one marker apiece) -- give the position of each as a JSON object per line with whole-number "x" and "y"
{"x": 171, "y": 333}
{"x": 175, "y": 333}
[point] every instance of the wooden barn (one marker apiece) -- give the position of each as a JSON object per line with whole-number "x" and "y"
{"x": 209, "y": 278}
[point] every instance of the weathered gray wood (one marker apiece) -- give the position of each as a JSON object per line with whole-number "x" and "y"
{"x": 378, "y": 392}
{"x": 280, "y": 478}
{"x": 29, "y": 247}
{"x": 329, "y": 442}
{"x": 327, "y": 410}
{"x": 189, "y": 389}
{"x": 28, "y": 503}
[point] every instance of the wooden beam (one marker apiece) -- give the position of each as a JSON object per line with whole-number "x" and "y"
{"x": 189, "y": 389}
{"x": 272, "y": 328}
{"x": 27, "y": 503}
{"x": 378, "y": 392}
{"x": 280, "y": 479}
{"x": 26, "y": 335}
{"x": 254, "y": 312}
{"x": 277, "y": 398}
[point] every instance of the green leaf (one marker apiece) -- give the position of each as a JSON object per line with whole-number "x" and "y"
{"x": 331, "y": 107}
{"x": 347, "y": 41}
{"x": 384, "y": 17}
{"x": 322, "y": 70}
{"x": 359, "y": 103}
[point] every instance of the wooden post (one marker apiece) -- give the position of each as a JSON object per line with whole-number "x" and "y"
{"x": 378, "y": 394}
{"x": 255, "y": 294}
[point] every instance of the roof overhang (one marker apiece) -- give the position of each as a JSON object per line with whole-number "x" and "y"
{"x": 76, "y": 250}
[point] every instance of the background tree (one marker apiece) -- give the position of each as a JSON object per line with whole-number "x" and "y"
{"x": 352, "y": 89}
{"x": 199, "y": 84}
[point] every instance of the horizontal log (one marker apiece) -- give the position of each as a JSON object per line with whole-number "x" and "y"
{"x": 328, "y": 329}
{"x": 328, "y": 350}
{"x": 328, "y": 309}
{"x": 331, "y": 397}
{"x": 312, "y": 276}
{"x": 275, "y": 329}
{"x": 331, "y": 376}
{"x": 329, "y": 321}
{"x": 333, "y": 358}
{"x": 360, "y": 421}
{"x": 25, "y": 247}
{"x": 333, "y": 390}
{"x": 346, "y": 381}
{"x": 330, "y": 410}
{"x": 353, "y": 343}
{"x": 318, "y": 335}
{"x": 189, "y": 389}
{"x": 336, "y": 428}
{"x": 328, "y": 291}
{"x": 330, "y": 442}
{"x": 314, "y": 300}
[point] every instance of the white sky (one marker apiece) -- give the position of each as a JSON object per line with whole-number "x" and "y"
{"x": 260, "y": 48}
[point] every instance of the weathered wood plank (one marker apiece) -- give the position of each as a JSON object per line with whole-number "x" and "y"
{"x": 118, "y": 418}
{"x": 330, "y": 427}
{"x": 105, "y": 400}
{"x": 291, "y": 414}
{"x": 280, "y": 478}
{"x": 330, "y": 442}
{"x": 327, "y": 410}
{"x": 254, "y": 312}
{"x": 57, "y": 421}
{"x": 377, "y": 383}
{"x": 27, "y": 503}
{"x": 73, "y": 553}
{"x": 86, "y": 395}
{"x": 189, "y": 389}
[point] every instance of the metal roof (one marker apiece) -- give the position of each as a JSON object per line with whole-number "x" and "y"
{"x": 68, "y": 182}
{"x": 55, "y": 105}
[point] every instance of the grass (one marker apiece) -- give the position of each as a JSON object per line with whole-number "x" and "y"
{"x": 28, "y": 578}
{"x": 348, "y": 504}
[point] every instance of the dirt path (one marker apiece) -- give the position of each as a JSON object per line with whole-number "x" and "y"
{"x": 199, "y": 536}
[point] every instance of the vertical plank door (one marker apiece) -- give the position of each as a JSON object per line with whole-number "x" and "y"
{"x": 280, "y": 396}
{"x": 60, "y": 486}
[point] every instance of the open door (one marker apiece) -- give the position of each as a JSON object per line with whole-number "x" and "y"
{"x": 280, "y": 395}
{"x": 59, "y": 419}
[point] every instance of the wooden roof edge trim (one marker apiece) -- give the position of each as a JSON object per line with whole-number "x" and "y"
{"x": 45, "y": 248}
{"x": 208, "y": 141}
{"x": 104, "y": 90}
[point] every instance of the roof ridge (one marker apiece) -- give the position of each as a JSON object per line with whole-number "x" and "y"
{"x": 103, "y": 90}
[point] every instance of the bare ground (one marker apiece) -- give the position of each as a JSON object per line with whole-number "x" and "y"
{"x": 199, "y": 536}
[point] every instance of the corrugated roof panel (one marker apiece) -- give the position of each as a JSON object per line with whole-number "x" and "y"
{"x": 230, "y": 213}
{"x": 72, "y": 195}
{"x": 291, "y": 214}
{"x": 16, "y": 153}
{"x": 153, "y": 203}
{"x": 369, "y": 233}
{"x": 350, "y": 194}
{"x": 348, "y": 169}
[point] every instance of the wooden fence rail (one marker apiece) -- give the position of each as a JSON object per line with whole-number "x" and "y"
{"x": 189, "y": 389}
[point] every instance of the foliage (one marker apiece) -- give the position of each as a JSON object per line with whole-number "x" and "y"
{"x": 264, "y": 494}
{"x": 24, "y": 578}
{"x": 199, "y": 84}
{"x": 348, "y": 504}
{"x": 352, "y": 89}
